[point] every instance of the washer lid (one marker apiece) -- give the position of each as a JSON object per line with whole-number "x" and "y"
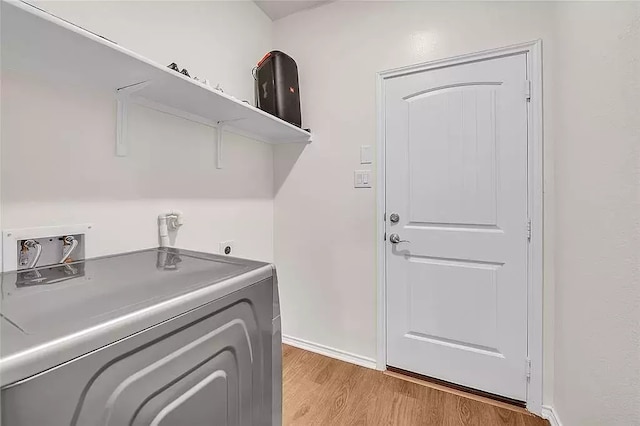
{"x": 87, "y": 304}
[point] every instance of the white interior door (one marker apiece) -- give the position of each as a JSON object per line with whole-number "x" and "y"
{"x": 456, "y": 177}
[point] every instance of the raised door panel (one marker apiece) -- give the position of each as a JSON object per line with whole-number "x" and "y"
{"x": 452, "y": 155}
{"x": 453, "y": 303}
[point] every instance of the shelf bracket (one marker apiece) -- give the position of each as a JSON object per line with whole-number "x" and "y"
{"x": 122, "y": 116}
{"x": 219, "y": 139}
{"x": 220, "y": 126}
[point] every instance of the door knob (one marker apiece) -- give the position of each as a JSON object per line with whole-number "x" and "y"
{"x": 395, "y": 239}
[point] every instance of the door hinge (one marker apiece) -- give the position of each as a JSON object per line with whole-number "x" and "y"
{"x": 529, "y": 230}
{"x": 527, "y": 90}
{"x": 528, "y": 370}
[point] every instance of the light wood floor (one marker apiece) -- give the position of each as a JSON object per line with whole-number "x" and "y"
{"x": 324, "y": 391}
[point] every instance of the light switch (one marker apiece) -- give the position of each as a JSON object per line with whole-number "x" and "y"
{"x": 362, "y": 179}
{"x": 366, "y": 154}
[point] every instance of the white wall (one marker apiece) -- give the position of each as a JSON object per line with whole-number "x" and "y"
{"x": 58, "y": 158}
{"x": 597, "y": 365}
{"x": 324, "y": 228}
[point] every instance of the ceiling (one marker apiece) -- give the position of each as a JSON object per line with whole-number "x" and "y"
{"x": 277, "y": 9}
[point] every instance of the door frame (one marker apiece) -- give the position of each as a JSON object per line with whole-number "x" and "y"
{"x": 533, "y": 51}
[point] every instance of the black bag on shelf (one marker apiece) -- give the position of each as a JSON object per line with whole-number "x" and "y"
{"x": 277, "y": 87}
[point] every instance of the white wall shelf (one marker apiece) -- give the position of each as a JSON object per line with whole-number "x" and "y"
{"x": 37, "y": 44}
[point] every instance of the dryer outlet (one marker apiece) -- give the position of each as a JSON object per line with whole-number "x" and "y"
{"x": 227, "y": 248}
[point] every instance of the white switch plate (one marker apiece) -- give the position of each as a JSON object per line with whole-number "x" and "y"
{"x": 366, "y": 154}
{"x": 362, "y": 179}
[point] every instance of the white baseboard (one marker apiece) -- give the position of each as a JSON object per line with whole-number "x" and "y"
{"x": 329, "y": 351}
{"x": 549, "y": 414}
